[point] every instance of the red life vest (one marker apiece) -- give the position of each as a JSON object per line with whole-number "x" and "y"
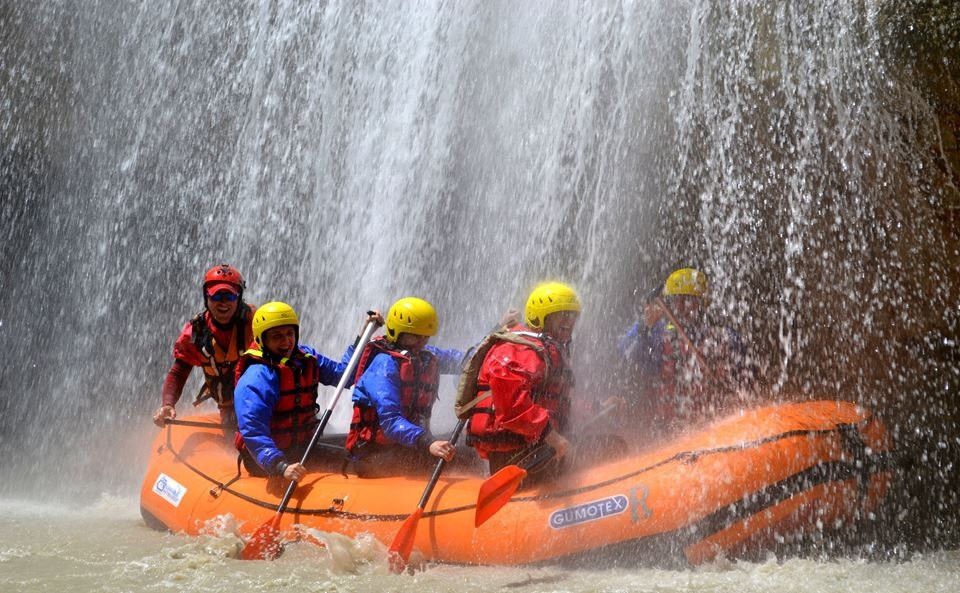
{"x": 552, "y": 393}
{"x": 219, "y": 363}
{"x": 680, "y": 393}
{"x": 419, "y": 381}
{"x": 294, "y": 416}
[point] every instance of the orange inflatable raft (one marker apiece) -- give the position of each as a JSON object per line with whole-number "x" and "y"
{"x": 739, "y": 484}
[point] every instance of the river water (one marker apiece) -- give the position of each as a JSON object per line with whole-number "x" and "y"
{"x": 105, "y": 547}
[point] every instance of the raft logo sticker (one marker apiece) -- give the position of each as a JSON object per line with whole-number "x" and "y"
{"x": 169, "y": 489}
{"x": 591, "y": 511}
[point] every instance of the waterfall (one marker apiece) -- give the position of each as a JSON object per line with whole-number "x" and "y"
{"x": 345, "y": 154}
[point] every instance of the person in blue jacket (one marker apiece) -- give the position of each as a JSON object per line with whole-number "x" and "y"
{"x": 276, "y": 392}
{"x": 683, "y": 366}
{"x": 396, "y": 387}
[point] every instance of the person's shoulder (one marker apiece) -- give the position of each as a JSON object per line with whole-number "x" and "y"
{"x": 308, "y": 350}
{"x": 662, "y": 326}
{"x": 186, "y": 332}
{"x": 382, "y": 360}
{"x": 505, "y": 351}
{"x": 257, "y": 372}
{"x": 185, "y": 349}
{"x": 656, "y": 334}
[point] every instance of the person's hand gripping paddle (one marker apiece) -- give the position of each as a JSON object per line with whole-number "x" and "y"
{"x": 266, "y": 543}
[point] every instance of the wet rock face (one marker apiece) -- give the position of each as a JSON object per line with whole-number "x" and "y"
{"x": 824, "y": 188}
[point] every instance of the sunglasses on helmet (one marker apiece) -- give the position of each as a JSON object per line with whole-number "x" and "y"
{"x": 223, "y": 295}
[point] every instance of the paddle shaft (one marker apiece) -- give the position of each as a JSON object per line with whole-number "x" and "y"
{"x": 440, "y": 465}
{"x": 683, "y": 335}
{"x": 351, "y": 366}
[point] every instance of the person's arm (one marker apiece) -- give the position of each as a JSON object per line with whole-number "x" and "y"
{"x": 254, "y": 398}
{"x": 329, "y": 371}
{"x": 449, "y": 360}
{"x": 172, "y": 389}
{"x": 173, "y": 384}
{"x": 185, "y": 357}
{"x": 381, "y": 384}
{"x": 632, "y": 342}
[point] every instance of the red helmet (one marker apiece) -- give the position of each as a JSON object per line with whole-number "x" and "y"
{"x": 223, "y": 277}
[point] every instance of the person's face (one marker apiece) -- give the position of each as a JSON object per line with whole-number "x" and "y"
{"x": 412, "y": 342}
{"x": 686, "y": 307}
{"x": 560, "y": 325}
{"x": 280, "y": 341}
{"x": 222, "y": 307}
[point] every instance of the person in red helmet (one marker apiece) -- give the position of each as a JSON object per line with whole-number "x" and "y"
{"x": 213, "y": 340}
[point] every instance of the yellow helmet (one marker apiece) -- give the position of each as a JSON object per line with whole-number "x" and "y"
{"x": 412, "y": 316}
{"x": 686, "y": 281}
{"x": 548, "y": 298}
{"x": 270, "y": 315}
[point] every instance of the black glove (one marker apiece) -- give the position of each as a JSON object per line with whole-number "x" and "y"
{"x": 202, "y": 336}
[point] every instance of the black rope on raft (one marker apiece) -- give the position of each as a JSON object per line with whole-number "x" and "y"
{"x": 880, "y": 464}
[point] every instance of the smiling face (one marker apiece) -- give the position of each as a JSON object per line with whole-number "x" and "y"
{"x": 222, "y": 307}
{"x": 280, "y": 341}
{"x": 412, "y": 342}
{"x": 687, "y": 308}
{"x": 560, "y": 325}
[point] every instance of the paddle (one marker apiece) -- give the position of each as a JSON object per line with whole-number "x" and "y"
{"x": 403, "y": 543}
{"x": 265, "y": 543}
{"x": 496, "y": 492}
{"x": 707, "y": 369}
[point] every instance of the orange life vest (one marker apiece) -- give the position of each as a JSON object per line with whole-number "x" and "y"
{"x": 419, "y": 381}
{"x": 219, "y": 366}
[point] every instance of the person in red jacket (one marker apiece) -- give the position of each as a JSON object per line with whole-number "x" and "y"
{"x": 213, "y": 340}
{"x": 529, "y": 379}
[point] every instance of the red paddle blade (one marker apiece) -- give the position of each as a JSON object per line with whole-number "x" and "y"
{"x": 496, "y": 492}
{"x": 402, "y": 545}
{"x": 265, "y": 543}
{"x": 305, "y": 536}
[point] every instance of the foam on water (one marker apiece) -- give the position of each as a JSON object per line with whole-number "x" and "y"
{"x": 44, "y": 548}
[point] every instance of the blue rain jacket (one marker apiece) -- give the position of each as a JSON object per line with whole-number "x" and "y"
{"x": 644, "y": 349}
{"x": 256, "y": 395}
{"x": 379, "y": 387}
